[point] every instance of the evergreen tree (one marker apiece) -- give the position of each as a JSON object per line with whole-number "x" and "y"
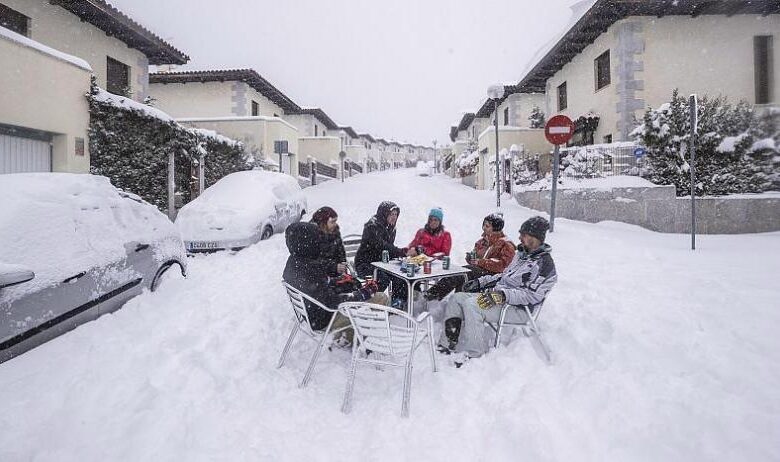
{"x": 536, "y": 118}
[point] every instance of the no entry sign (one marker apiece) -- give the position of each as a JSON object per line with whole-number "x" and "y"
{"x": 559, "y": 130}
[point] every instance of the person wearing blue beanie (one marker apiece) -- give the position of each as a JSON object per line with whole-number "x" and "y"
{"x": 433, "y": 239}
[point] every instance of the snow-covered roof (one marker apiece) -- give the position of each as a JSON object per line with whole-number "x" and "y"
{"x": 12, "y": 36}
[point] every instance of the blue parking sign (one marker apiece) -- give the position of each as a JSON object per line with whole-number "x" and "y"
{"x": 639, "y": 152}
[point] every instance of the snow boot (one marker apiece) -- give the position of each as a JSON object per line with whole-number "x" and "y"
{"x": 452, "y": 332}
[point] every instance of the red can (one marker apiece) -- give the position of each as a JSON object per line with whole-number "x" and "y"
{"x": 427, "y": 267}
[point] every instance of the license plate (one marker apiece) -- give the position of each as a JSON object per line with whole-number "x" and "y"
{"x": 203, "y": 245}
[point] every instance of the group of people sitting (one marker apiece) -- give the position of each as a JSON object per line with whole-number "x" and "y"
{"x": 499, "y": 272}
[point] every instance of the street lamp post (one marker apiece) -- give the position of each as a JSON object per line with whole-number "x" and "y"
{"x": 496, "y": 92}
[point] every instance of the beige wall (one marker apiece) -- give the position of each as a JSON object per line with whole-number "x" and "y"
{"x": 54, "y": 26}
{"x": 257, "y": 133}
{"x": 581, "y": 94}
{"x": 322, "y": 148}
{"x": 520, "y": 105}
{"x": 652, "y": 56}
{"x": 305, "y": 124}
{"x": 209, "y": 99}
{"x": 265, "y": 105}
{"x": 717, "y": 59}
{"x": 31, "y": 98}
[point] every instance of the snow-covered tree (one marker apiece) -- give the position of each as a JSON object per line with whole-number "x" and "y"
{"x": 727, "y": 157}
{"x": 585, "y": 162}
{"x": 129, "y": 143}
{"x": 536, "y": 119}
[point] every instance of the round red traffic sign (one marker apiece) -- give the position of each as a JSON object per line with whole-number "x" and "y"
{"x": 559, "y": 129}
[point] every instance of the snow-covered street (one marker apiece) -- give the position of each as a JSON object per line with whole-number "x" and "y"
{"x": 660, "y": 353}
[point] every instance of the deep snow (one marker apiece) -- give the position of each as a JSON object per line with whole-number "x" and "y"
{"x": 660, "y": 354}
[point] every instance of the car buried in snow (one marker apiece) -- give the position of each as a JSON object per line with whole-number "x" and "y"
{"x": 239, "y": 210}
{"x": 75, "y": 248}
{"x": 424, "y": 168}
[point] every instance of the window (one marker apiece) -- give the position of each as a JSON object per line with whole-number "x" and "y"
{"x": 117, "y": 77}
{"x": 607, "y": 138}
{"x": 762, "y": 62}
{"x": 506, "y": 116}
{"x": 601, "y": 69}
{"x": 14, "y": 20}
{"x": 255, "y": 108}
{"x": 316, "y": 128}
{"x": 276, "y": 115}
{"x": 562, "y": 96}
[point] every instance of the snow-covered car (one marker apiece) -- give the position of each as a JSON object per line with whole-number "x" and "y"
{"x": 424, "y": 168}
{"x": 72, "y": 248}
{"x": 239, "y": 210}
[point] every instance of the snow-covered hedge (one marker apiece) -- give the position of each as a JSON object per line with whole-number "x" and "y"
{"x": 736, "y": 149}
{"x": 129, "y": 143}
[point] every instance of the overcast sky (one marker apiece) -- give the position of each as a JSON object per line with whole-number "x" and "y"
{"x": 402, "y": 69}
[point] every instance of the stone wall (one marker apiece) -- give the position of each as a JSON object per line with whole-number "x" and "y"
{"x": 657, "y": 209}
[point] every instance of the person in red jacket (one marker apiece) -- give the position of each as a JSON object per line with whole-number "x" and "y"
{"x": 433, "y": 239}
{"x": 494, "y": 252}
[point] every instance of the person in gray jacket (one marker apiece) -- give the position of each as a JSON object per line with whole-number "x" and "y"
{"x": 526, "y": 281}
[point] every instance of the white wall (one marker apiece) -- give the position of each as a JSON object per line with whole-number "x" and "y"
{"x": 52, "y": 25}
{"x": 194, "y": 99}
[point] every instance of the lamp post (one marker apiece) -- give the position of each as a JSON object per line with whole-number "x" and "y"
{"x": 496, "y": 92}
{"x": 435, "y": 163}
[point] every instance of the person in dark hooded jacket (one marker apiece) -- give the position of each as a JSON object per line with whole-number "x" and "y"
{"x": 379, "y": 235}
{"x": 332, "y": 246}
{"x": 308, "y": 272}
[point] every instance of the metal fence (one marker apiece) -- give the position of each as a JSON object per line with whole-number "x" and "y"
{"x": 326, "y": 170}
{"x": 303, "y": 169}
{"x": 357, "y": 167}
{"x": 601, "y": 160}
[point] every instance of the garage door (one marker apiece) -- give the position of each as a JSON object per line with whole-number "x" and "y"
{"x": 19, "y": 155}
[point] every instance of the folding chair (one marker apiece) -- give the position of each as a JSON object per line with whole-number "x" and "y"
{"x": 389, "y": 344}
{"x": 529, "y": 327}
{"x": 303, "y": 324}
{"x": 351, "y": 245}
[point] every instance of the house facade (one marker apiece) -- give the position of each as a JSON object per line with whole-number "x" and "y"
{"x": 622, "y": 57}
{"x": 71, "y": 40}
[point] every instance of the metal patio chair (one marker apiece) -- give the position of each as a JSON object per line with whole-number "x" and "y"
{"x": 381, "y": 342}
{"x": 351, "y": 245}
{"x": 530, "y": 327}
{"x": 303, "y": 324}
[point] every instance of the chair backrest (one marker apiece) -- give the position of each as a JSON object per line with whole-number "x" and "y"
{"x": 373, "y": 330}
{"x": 351, "y": 245}
{"x": 298, "y": 302}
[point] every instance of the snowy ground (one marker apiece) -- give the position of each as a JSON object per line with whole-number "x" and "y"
{"x": 660, "y": 354}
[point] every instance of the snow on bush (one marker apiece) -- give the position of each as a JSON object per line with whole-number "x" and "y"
{"x": 129, "y": 143}
{"x": 584, "y": 162}
{"x": 734, "y": 153}
{"x": 537, "y": 118}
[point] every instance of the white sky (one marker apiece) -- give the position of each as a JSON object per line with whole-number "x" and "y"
{"x": 402, "y": 69}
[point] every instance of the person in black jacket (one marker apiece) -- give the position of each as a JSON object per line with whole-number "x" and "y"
{"x": 379, "y": 235}
{"x": 308, "y": 272}
{"x": 333, "y": 251}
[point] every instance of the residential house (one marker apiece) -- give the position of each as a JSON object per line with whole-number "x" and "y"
{"x": 44, "y": 121}
{"x": 623, "y": 56}
{"x": 319, "y": 136}
{"x": 372, "y": 152}
{"x": 238, "y": 103}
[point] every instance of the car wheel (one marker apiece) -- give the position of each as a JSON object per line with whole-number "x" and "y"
{"x": 164, "y": 274}
{"x": 267, "y": 233}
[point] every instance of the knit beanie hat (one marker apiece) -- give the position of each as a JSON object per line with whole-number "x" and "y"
{"x": 536, "y": 227}
{"x": 437, "y": 212}
{"x": 496, "y": 221}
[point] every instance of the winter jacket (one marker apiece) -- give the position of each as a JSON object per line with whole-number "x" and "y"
{"x": 332, "y": 250}
{"x": 378, "y": 235}
{"x": 307, "y": 271}
{"x": 440, "y": 242}
{"x": 528, "y": 279}
{"x": 494, "y": 252}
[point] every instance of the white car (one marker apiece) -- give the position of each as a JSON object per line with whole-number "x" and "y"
{"x": 424, "y": 168}
{"x": 239, "y": 210}
{"x": 74, "y": 248}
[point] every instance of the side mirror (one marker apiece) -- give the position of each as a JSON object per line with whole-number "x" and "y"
{"x": 11, "y": 275}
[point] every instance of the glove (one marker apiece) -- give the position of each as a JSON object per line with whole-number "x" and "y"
{"x": 344, "y": 279}
{"x": 488, "y": 300}
{"x": 471, "y": 286}
{"x": 372, "y": 285}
